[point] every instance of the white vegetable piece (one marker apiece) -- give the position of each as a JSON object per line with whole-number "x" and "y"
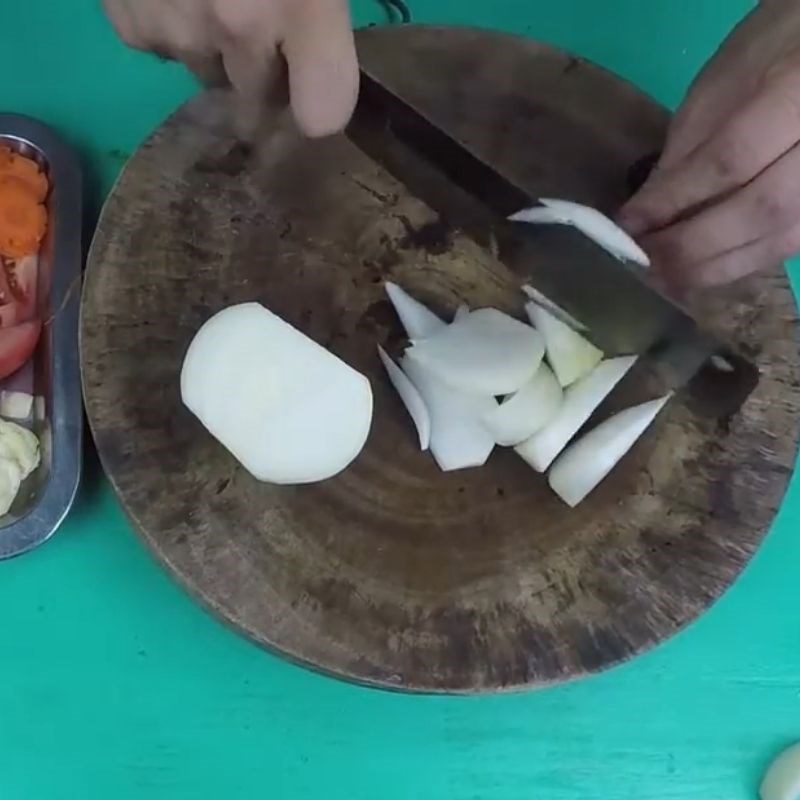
{"x": 411, "y": 398}
{"x": 570, "y": 355}
{"x": 458, "y": 438}
{"x": 417, "y": 319}
{"x": 19, "y": 445}
{"x": 16, "y": 405}
{"x": 781, "y": 781}
{"x": 286, "y": 408}
{"x": 580, "y": 400}
{"x": 10, "y": 481}
{"x": 597, "y": 226}
{"x": 526, "y": 411}
{"x": 553, "y": 308}
{"x": 584, "y": 464}
{"x": 461, "y": 312}
{"x": 486, "y": 352}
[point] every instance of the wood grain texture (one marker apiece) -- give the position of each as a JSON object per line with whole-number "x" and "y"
{"x": 393, "y": 574}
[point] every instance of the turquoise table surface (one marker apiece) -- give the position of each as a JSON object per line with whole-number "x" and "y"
{"x": 114, "y": 684}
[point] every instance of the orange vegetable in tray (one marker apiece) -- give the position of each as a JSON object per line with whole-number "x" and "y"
{"x": 23, "y": 217}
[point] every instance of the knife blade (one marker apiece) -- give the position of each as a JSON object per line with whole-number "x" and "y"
{"x": 623, "y": 312}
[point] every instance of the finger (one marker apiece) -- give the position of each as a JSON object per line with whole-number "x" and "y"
{"x": 323, "y": 69}
{"x": 124, "y": 23}
{"x": 207, "y": 68}
{"x": 758, "y": 256}
{"x": 257, "y": 76}
{"x": 769, "y": 204}
{"x": 748, "y": 143}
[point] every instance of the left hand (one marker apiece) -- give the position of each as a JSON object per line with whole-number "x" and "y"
{"x": 724, "y": 200}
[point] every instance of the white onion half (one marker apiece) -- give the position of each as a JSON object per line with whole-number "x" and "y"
{"x": 781, "y": 781}
{"x": 411, "y": 398}
{"x": 417, "y": 319}
{"x": 286, "y": 408}
{"x": 584, "y": 464}
{"x": 580, "y": 401}
{"x": 570, "y": 355}
{"x": 591, "y": 222}
{"x": 525, "y": 412}
{"x": 458, "y": 438}
{"x": 486, "y": 352}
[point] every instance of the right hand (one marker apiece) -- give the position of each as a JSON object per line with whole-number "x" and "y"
{"x": 252, "y": 45}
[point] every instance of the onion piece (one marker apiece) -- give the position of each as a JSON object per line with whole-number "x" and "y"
{"x": 591, "y": 222}
{"x": 411, "y": 398}
{"x": 10, "y": 481}
{"x": 461, "y": 312}
{"x": 417, "y": 319}
{"x": 580, "y": 401}
{"x": 781, "y": 781}
{"x": 570, "y": 355}
{"x": 584, "y": 464}
{"x": 16, "y": 405}
{"x": 19, "y": 445}
{"x": 553, "y": 308}
{"x": 458, "y": 438}
{"x": 527, "y": 411}
{"x": 486, "y": 352}
{"x": 286, "y": 408}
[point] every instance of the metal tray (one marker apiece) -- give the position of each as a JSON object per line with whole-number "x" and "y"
{"x": 47, "y": 495}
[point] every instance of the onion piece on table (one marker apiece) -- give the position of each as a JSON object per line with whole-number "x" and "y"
{"x": 411, "y": 398}
{"x": 417, "y": 319}
{"x": 781, "y": 781}
{"x": 286, "y": 408}
{"x": 591, "y": 222}
{"x": 580, "y": 401}
{"x": 461, "y": 312}
{"x": 458, "y": 438}
{"x": 553, "y": 308}
{"x": 486, "y": 352}
{"x": 570, "y": 355}
{"x": 527, "y": 411}
{"x": 584, "y": 464}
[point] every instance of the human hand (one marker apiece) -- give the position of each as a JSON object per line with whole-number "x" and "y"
{"x": 724, "y": 200}
{"x": 252, "y": 44}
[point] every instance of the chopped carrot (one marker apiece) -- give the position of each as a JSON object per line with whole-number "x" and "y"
{"x": 23, "y": 220}
{"x": 26, "y": 169}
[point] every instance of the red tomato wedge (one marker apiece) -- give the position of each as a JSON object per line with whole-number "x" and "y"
{"x": 17, "y": 345}
{"x": 18, "y": 281}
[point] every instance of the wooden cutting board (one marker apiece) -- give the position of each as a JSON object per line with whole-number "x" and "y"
{"x": 394, "y": 574}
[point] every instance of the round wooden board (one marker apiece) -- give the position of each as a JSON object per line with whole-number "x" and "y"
{"x": 394, "y": 574}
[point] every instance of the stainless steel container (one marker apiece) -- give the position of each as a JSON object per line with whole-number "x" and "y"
{"x": 47, "y": 495}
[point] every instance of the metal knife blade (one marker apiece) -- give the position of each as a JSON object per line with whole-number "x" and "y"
{"x": 623, "y": 312}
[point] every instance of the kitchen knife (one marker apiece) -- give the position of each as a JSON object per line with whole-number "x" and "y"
{"x": 623, "y": 312}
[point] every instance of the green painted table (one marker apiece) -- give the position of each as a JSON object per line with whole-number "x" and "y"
{"x": 113, "y": 684}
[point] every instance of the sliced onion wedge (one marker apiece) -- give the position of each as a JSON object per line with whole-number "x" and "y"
{"x": 411, "y": 398}
{"x": 553, "y": 308}
{"x": 527, "y": 411}
{"x": 591, "y": 222}
{"x": 580, "y": 400}
{"x": 571, "y": 356}
{"x": 781, "y": 781}
{"x": 584, "y": 464}
{"x": 417, "y": 319}
{"x": 461, "y": 312}
{"x": 458, "y": 438}
{"x": 486, "y": 352}
{"x": 286, "y": 408}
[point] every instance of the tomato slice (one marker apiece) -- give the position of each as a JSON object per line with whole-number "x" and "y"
{"x": 17, "y": 345}
{"x": 18, "y": 281}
